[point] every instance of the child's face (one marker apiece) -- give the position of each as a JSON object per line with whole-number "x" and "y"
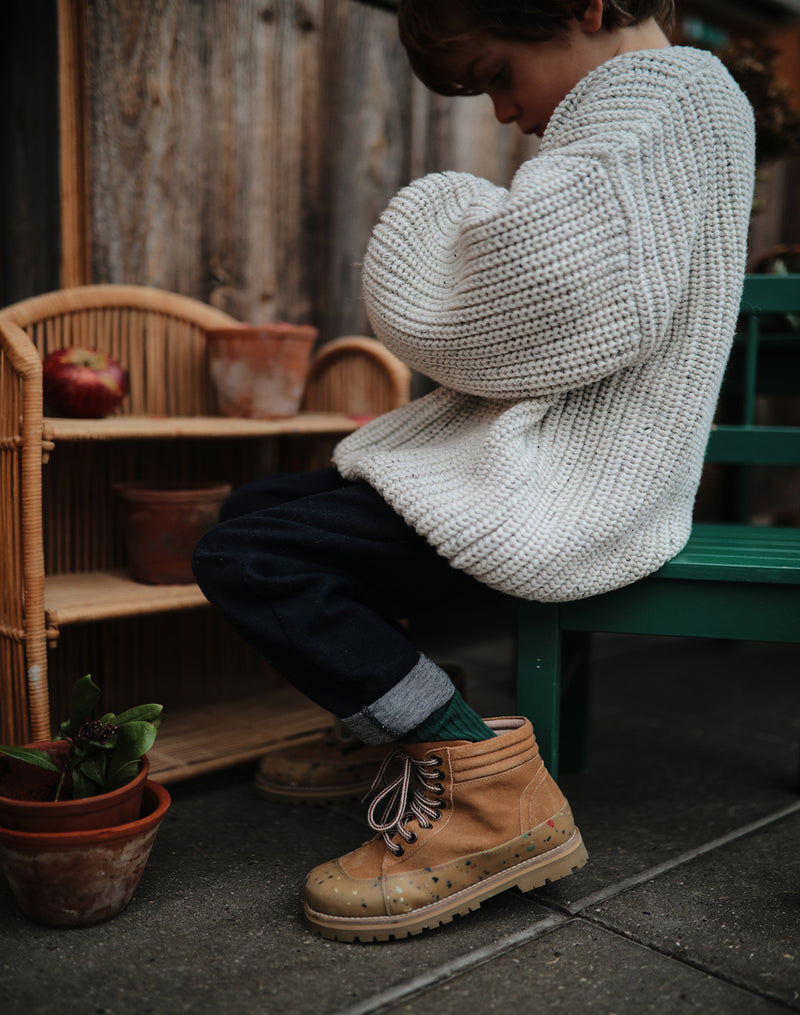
{"x": 527, "y": 80}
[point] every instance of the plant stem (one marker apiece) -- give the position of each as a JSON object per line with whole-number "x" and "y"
{"x": 68, "y": 764}
{"x": 60, "y": 785}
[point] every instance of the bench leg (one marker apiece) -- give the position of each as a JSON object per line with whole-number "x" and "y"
{"x": 576, "y": 647}
{"x": 538, "y": 675}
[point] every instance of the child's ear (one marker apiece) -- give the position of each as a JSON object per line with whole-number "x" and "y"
{"x": 592, "y": 18}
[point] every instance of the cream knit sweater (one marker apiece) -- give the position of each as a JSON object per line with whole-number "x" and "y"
{"x": 578, "y": 324}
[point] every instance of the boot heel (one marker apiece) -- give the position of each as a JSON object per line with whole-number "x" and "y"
{"x": 571, "y": 857}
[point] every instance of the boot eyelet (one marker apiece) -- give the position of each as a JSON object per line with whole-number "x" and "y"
{"x": 412, "y": 838}
{"x": 437, "y": 761}
{"x": 438, "y": 789}
{"x": 398, "y": 851}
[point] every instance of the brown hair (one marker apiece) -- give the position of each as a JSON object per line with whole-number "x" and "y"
{"x": 431, "y": 28}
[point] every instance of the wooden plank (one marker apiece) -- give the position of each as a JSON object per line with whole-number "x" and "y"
{"x": 241, "y": 152}
{"x": 103, "y": 595}
{"x": 136, "y": 427}
{"x": 736, "y": 610}
{"x": 738, "y": 553}
{"x": 194, "y": 741}
{"x": 73, "y": 148}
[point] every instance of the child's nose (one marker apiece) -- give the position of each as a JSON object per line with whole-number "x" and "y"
{"x": 505, "y": 109}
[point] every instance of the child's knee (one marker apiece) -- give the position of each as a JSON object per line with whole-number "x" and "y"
{"x": 235, "y": 505}
{"x": 211, "y": 559}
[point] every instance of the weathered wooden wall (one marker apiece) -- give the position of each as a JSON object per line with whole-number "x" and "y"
{"x": 241, "y": 151}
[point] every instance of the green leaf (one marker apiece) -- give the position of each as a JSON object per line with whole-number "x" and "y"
{"x": 82, "y": 786}
{"x": 133, "y": 740}
{"x": 83, "y": 699}
{"x": 94, "y": 768}
{"x": 34, "y": 757}
{"x": 140, "y": 713}
{"x": 124, "y": 775}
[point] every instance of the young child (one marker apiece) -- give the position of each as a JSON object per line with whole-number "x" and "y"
{"x": 578, "y": 325}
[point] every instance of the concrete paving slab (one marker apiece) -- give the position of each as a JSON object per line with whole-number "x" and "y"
{"x": 671, "y": 767}
{"x": 586, "y": 969}
{"x": 689, "y": 741}
{"x": 216, "y": 925}
{"x": 734, "y": 913}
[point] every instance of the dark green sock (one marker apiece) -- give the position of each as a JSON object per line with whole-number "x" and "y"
{"x": 454, "y": 720}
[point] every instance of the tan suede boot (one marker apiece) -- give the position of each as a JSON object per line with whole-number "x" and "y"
{"x": 461, "y": 823}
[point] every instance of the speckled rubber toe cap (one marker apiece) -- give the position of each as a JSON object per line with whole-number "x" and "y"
{"x": 343, "y": 908}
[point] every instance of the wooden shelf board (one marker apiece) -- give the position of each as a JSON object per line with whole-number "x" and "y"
{"x": 104, "y": 595}
{"x": 200, "y": 739}
{"x": 136, "y": 427}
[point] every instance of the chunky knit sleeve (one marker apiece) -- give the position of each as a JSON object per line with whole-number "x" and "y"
{"x": 506, "y": 294}
{"x": 566, "y": 277}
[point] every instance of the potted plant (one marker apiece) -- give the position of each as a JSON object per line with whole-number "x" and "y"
{"x": 78, "y": 815}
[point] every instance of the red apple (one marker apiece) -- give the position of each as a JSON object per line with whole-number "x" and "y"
{"x": 83, "y": 383}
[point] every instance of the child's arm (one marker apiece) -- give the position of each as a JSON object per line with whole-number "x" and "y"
{"x": 508, "y": 294}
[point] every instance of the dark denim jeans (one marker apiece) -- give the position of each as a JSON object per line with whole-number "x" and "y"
{"x": 316, "y": 572}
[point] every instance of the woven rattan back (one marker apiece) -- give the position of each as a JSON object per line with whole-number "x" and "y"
{"x": 158, "y": 335}
{"x": 355, "y": 374}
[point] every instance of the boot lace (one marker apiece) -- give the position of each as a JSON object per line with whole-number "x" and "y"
{"x": 405, "y": 798}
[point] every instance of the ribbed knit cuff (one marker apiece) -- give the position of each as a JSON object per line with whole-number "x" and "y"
{"x": 421, "y": 691}
{"x": 454, "y": 721}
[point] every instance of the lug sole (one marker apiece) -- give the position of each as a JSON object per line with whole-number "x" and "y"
{"x": 535, "y": 873}
{"x": 314, "y": 795}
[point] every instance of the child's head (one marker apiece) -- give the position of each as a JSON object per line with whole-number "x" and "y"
{"x": 430, "y": 29}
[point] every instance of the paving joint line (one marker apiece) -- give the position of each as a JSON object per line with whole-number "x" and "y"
{"x": 612, "y": 891}
{"x": 561, "y": 916}
{"x": 686, "y": 960}
{"x": 454, "y": 968}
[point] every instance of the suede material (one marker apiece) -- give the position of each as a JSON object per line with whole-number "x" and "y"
{"x": 502, "y": 808}
{"x": 333, "y": 889}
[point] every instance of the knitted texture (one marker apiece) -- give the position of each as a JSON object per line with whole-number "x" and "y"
{"x": 578, "y": 325}
{"x": 455, "y": 720}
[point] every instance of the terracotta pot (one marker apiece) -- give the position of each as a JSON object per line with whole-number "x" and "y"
{"x": 162, "y": 524}
{"x": 76, "y": 879}
{"x": 260, "y": 372}
{"x": 27, "y": 804}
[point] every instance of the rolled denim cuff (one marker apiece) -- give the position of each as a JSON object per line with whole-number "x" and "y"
{"x": 421, "y": 691}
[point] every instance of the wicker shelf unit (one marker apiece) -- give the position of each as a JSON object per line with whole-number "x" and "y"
{"x": 68, "y": 605}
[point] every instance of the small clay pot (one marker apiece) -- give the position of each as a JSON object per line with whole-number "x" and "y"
{"x": 260, "y": 372}
{"x": 77, "y": 879}
{"x": 27, "y": 804}
{"x": 162, "y": 523}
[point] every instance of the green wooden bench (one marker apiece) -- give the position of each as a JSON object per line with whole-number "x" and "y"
{"x": 731, "y": 581}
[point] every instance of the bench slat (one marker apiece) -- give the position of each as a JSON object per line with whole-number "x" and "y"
{"x": 738, "y": 553}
